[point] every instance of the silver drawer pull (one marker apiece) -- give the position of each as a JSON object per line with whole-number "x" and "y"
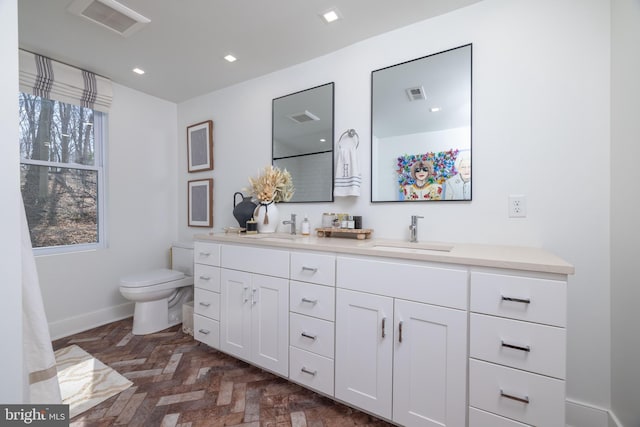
{"x": 306, "y": 335}
{"x": 524, "y": 399}
{"x": 516, "y": 347}
{"x": 310, "y": 301}
{"x": 205, "y": 253}
{"x": 205, "y": 304}
{"x": 204, "y": 331}
{"x": 311, "y": 269}
{"x": 523, "y": 301}
{"x": 205, "y": 278}
{"x": 306, "y": 371}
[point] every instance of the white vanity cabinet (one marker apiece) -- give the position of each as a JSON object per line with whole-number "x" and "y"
{"x": 401, "y": 340}
{"x": 254, "y": 314}
{"x": 312, "y": 315}
{"x": 206, "y": 283}
{"x": 517, "y": 349}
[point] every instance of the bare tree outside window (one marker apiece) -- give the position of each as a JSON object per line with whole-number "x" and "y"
{"x": 61, "y": 169}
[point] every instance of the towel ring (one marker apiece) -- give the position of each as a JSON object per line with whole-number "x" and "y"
{"x": 350, "y": 133}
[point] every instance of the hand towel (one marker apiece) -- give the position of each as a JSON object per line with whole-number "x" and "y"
{"x": 347, "y": 178}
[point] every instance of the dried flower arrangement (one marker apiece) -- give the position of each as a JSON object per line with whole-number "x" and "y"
{"x": 273, "y": 185}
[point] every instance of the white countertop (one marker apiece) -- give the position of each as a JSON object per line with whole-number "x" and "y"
{"x": 508, "y": 257}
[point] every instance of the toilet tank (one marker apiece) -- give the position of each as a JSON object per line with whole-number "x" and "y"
{"x": 182, "y": 257}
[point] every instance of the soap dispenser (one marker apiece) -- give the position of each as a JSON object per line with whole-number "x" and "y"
{"x": 305, "y": 227}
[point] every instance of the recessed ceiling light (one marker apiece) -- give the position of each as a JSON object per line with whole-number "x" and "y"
{"x": 230, "y": 58}
{"x": 323, "y": 140}
{"x": 138, "y": 71}
{"x": 434, "y": 109}
{"x": 331, "y": 15}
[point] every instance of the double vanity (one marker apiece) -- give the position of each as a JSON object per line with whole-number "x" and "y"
{"x": 419, "y": 334}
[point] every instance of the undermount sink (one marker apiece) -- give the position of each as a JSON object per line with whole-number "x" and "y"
{"x": 411, "y": 247}
{"x": 275, "y": 237}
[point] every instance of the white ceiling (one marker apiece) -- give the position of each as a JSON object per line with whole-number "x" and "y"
{"x": 183, "y": 46}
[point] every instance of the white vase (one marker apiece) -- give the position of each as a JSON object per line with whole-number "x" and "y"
{"x": 267, "y": 217}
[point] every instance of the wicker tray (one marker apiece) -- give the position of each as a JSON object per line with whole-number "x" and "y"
{"x": 360, "y": 234}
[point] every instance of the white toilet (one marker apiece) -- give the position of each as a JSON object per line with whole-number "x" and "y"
{"x": 159, "y": 294}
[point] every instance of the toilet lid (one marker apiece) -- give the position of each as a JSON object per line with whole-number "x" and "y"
{"x": 150, "y": 278}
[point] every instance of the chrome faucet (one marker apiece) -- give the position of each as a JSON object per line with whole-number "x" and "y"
{"x": 291, "y": 222}
{"x": 413, "y": 228}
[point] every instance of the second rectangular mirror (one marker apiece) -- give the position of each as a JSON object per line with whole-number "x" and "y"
{"x": 303, "y": 141}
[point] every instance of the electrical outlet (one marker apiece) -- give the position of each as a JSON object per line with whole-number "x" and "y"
{"x": 517, "y": 206}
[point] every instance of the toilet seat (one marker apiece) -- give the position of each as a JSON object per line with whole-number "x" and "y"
{"x": 151, "y": 278}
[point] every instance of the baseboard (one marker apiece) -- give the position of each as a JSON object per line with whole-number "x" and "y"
{"x": 73, "y": 325}
{"x": 584, "y": 415}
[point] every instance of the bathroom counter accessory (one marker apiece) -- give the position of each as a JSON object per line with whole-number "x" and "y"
{"x": 360, "y": 233}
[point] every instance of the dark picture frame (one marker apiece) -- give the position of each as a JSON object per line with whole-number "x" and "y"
{"x": 200, "y": 203}
{"x": 200, "y": 146}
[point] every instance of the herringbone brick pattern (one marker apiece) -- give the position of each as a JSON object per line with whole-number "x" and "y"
{"x": 180, "y": 382}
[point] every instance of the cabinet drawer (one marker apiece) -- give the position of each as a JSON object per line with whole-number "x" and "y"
{"x": 312, "y": 300}
{"x": 206, "y": 253}
{"x": 270, "y": 262}
{"x": 434, "y": 285}
{"x": 207, "y": 277}
{"x": 206, "y": 330}
{"x": 478, "y": 418}
{"x": 311, "y": 370}
{"x": 314, "y": 268}
{"x": 523, "y": 298}
{"x": 495, "y": 389}
{"x": 529, "y": 346}
{"x": 311, "y": 334}
{"x": 206, "y": 303}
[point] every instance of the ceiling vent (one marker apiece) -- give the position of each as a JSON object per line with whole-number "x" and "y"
{"x": 416, "y": 93}
{"x": 109, "y": 14}
{"x": 303, "y": 117}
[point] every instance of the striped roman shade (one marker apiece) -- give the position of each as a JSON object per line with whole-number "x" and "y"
{"x": 50, "y": 79}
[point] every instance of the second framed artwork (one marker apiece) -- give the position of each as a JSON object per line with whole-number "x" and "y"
{"x": 200, "y": 146}
{"x": 200, "y": 210}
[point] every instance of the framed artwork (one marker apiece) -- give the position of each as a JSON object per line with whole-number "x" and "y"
{"x": 200, "y": 203}
{"x": 200, "y": 146}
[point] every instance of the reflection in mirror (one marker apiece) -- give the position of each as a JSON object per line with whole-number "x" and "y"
{"x": 303, "y": 141}
{"x": 421, "y": 129}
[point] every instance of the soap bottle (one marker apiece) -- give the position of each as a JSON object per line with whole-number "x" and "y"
{"x": 305, "y": 227}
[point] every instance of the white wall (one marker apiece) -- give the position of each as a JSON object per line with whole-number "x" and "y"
{"x": 11, "y": 368}
{"x": 540, "y": 128}
{"x": 141, "y": 219}
{"x": 625, "y": 211}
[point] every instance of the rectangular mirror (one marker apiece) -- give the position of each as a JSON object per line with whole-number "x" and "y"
{"x": 303, "y": 141}
{"x": 421, "y": 129}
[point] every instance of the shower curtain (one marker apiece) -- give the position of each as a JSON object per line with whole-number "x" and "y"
{"x": 39, "y": 360}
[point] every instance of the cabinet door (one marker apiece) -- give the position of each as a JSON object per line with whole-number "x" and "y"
{"x": 270, "y": 323}
{"x": 235, "y": 313}
{"x": 430, "y": 365}
{"x": 364, "y": 346}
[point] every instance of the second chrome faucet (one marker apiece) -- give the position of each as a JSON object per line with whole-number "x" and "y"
{"x": 413, "y": 228}
{"x": 292, "y": 223}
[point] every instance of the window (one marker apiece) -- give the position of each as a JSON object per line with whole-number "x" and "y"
{"x": 61, "y": 151}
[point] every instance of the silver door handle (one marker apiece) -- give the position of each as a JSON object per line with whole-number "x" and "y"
{"x": 400, "y": 331}
{"x": 310, "y": 301}
{"x": 254, "y": 296}
{"x": 384, "y": 320}
{"x": 311, "y": 269}
{"x": 205, "y": 278}
{"x": 205, "y": 304}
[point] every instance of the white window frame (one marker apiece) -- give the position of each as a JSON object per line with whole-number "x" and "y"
{"x": 100, "y": 138}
